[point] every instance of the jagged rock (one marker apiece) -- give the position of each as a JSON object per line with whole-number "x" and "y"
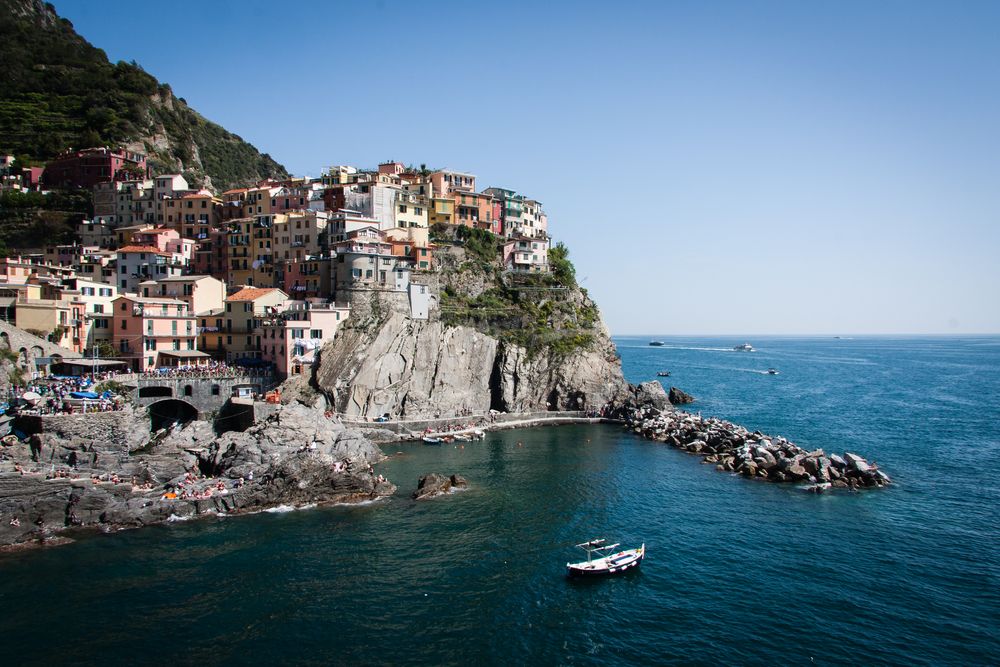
{"x": 651, "y": 395}
{"x": 422, "y": 368}
{"x": 855, "y": 462}
{"x": 838, "y": 461}
{"x": 678, "y": 397}
{"x": 434, "y": 484}
{"x": 295, "y": 456}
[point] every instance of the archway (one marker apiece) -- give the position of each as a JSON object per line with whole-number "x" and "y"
{"x": 170, "y": 412}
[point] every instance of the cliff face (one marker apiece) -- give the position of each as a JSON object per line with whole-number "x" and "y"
{"x": 487, "y": 345}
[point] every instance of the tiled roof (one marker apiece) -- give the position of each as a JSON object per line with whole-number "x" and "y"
{"x": 139, "y": 248}
{"x": 251, "y": 293}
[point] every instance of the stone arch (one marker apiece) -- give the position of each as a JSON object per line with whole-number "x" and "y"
{"x": 170, "y": 412}
{"x": 24, "y": 354}
{"x": 155, "y": 391}
{"x": 37, "y": 351}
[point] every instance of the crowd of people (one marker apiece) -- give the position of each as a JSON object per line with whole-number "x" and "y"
{"x": 211, "y": 369}
{"x": 54, "y": 394}
{"x": 198, "y": 487}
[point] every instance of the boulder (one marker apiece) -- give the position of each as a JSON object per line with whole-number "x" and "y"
{"x": 435, "y": 484}
{"x": 678, "y": 397}
{"x": 855, "y": 462}
{"x": 651, "y": 394}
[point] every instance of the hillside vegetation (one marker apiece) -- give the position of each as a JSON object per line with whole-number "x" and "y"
{"x": 58, "y": 91}
{"x": 544, "y": 312}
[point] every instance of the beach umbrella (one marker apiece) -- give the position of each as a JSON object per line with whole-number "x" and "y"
{"x": 31, "y": 396}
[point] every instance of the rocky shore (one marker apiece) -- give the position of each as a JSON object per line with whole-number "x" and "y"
{"x": 733, "y": 448}
{"x": 83, "y": 472}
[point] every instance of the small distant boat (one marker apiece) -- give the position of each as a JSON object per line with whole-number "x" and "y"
{"x": 663, "y": 374}
{"x": 772, "y": 371}
{"x": 428, "y": 440}
{"x": 656, "y": 343}
{"x": 607, "y": 562}
{"x": 745, "y": 347}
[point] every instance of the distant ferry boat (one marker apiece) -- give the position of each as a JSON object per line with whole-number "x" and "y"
{"x": 745, "y": 347}
{"x": 656, "y": 343}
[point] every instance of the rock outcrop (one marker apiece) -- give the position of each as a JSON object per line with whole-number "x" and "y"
{"x": 424, "y": 368}
{"x": 434, "y": 484}
{"x": 66, "y": 476}
{"x": 678, "y": 397}
{"x": 734, "y": 449}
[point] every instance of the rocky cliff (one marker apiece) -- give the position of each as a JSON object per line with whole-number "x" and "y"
{"x": 493, "y": 340}
{"x": 107, "y": 471}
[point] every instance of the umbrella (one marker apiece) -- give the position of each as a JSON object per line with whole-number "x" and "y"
{"x": 31, "y": 396}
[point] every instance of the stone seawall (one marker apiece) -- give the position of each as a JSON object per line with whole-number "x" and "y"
{"x": 732, "y": 448}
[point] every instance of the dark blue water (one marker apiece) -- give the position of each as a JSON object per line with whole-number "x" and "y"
{"x": 737, "y": 571}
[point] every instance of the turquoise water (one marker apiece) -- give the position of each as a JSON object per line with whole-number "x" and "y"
{"x": 737, "y": 571}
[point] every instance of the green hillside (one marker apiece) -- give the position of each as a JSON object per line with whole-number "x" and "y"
{"x": 59, "y": 91}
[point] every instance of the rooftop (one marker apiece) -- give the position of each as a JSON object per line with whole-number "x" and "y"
{"x": 251, "y": 293}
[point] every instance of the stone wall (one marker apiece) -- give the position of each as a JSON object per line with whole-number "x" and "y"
{"x": 129, "y": 427}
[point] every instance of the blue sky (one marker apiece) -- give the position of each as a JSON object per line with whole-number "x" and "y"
{"x": 715, "y": 168}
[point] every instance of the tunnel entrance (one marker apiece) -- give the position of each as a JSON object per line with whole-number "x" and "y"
{"x": 234, "y": 417}
{"x": 170, "y": 412}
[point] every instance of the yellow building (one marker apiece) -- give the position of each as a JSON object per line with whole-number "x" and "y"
{"x": 244, "y": 310}
{"x": 442, "y": 210}
{"x": 411, "y": 210}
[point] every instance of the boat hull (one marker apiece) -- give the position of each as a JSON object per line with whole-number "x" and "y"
{"x": 604, "y": 567}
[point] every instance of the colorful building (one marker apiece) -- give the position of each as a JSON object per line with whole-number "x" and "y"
{"x": 289, "y": 339}
{"x": 244, "y": 310}
{"x": 152, "y": 332}
{"x": 86, "y": 168}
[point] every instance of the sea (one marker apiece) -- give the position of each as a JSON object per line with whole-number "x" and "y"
{"x": 736, "y": 572}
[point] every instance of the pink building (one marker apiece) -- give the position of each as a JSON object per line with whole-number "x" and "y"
{"x": 290, "y": 339}
{"x": 151, "y": 332}
{"x": 446, "y": 182}
{"x": 307, "y": 278}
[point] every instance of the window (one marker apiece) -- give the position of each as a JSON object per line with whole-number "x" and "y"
{"x": 215, "y": 390}
{"x": 188, "y": 390}
{"x": 124, "y": 324}
{"x": 316, "y": 333}
{"x": 176, "y": 344}
{"x": 98, "y": 307}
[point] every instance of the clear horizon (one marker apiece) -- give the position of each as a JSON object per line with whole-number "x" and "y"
{"x": 775, "y": 167}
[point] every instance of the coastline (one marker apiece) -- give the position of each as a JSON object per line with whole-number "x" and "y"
{"x": 415, "y": 429}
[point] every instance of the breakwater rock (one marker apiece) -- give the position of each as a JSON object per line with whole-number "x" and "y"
{"x": 678, "y": 397}
{"x": 68, "y": 477}
{"x": 752, "y": 454}
{"x": 435, "y": 484}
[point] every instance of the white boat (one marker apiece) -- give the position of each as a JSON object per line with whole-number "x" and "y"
{"x": 772, "y": 371}
{"x": 745, "y": 347}
{"x": 607, "y": 562}
{"x": 428, "y": 440}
